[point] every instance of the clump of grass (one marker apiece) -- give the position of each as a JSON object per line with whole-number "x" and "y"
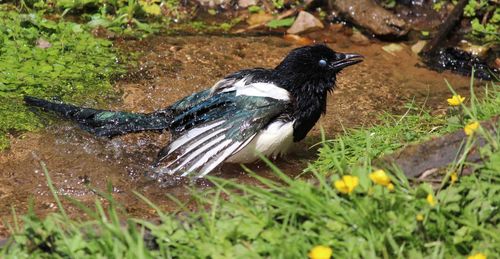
{"x": 395, "y": 131}
{"x": 48, "y": 59}
{"x": 392, "y": 133}
{"x": 372, "y": 219}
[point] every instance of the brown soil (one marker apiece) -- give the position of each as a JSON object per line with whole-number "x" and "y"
{"x": 173, "y": 67}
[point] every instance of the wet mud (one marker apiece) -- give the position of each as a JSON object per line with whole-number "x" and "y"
{"x": 169, "y": 68}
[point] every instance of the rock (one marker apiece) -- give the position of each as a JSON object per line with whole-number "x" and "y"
{"x": 420, "y": 160}
{"x": 417, "y": 47}
{"x": 246, "y": 3}
{"x": 370, "y": 16}
{"x": 305, "y": 22}
{"x": 43, "y": 44}
{"x": 475, "y": 50}
{"x": 213, "y": 3}
{"x": 392, "y": 48}
{"x": 360, "y": 39}
{"x": 460, "y": 62}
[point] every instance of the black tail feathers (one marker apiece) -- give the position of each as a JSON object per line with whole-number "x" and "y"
{"x": 104, "y": 122}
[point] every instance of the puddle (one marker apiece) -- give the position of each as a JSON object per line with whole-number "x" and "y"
{"x": 173, "y": 67}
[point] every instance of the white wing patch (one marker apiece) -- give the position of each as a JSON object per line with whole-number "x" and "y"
{"x": 273, "y": 141}
{"x": 259, "y": 89}
{"x": 204, "y": 149}
{"x": 191, "y": 134}
{"x": 264, "y": 90}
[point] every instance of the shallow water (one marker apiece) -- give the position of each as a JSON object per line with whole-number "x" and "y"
{"x": 173, "y": 67}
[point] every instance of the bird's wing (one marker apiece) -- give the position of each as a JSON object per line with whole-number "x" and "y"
{"x": 188, "y": 102}
{"x": 207, "y": 133}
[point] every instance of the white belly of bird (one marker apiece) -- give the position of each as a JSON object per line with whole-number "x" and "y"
{"x": 273, "y": 141}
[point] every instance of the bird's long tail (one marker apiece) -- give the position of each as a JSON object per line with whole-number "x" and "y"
{"x": 104, "y": 122}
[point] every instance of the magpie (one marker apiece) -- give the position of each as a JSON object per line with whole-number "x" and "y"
{"x": 247, "y": 113}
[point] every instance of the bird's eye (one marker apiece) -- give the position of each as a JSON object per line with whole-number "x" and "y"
{"x": 322, "y": 63}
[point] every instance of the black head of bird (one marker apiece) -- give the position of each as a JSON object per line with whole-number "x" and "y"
{"x": 309, "y": 73}
{"x": 314, "y": 67}
{"x": 248, "y": 113}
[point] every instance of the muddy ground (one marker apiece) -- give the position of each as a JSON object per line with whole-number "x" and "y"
{"x": 171, "y": 67}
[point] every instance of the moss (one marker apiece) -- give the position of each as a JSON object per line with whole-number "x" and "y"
{"x": 48, "y": 59}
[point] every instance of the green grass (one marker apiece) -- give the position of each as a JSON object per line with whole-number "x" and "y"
{"x": 290, "y": 216}
{"x": 49, "y": 59}
{"x": 396, "y": 131}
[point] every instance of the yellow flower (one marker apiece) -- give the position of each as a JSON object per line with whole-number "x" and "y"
{"x": 151, "y": 6}
{"x": 453, "y": 177}
{"x": 477, "y": 256}
{"x": 430, "y": 199}
{"x": 347, "y": 184}
{"x": 456, "y": 100}
{"x": 420, "y": 217}
{"x": 380, "y": 177}
{"x": 390, "y": 187}
{"x": 320, "y": 252}
{"x": 471, "y": 127}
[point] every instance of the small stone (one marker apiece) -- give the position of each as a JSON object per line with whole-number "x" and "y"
{"x": 392, "y": 48}
{"x": 476, "y": 50}
{"x": 43, "y": 44}
{"x": 305, "y": 22}
{"x": 360, "y": 39}
{"x": 246, "y": 3}
{"x": 298, "y": 39}
{"x": 213, "y": 3}
{"x": 417, "y": 47}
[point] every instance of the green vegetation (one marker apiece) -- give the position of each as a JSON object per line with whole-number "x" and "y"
{"x": 389, "y": 3}
{"x": 44, "y": 58}
{"x": 278, "y": 4}
{"x": 485, "y": 19}
{"x": 207, "y": 27}
{"x": 254, "y": 9}
{"x": 286, "y": 22}
{"x": 137, "y": 17}
{"x": 341, "y": 206}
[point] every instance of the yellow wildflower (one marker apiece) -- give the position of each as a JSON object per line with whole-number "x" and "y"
{"x": 430, "y": 199}
{"x": 320, "y": 252}
{"x": 390, "y": 187}
{"x": 477, "y": 256}
{"x": 453, "y": 177}
{"x": 471, "y": 127}
{"x": 456, "y": 100}
{"x": 347, "y": 184}
{"x": 151, "y": 6}
{"x": 380, "y": 177}
{"x": 420, "y": 217}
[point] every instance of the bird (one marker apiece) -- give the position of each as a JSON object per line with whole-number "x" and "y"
{"x": 247, "y": 114}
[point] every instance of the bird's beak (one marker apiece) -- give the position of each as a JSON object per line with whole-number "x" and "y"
{"x": 346, "y": 60}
